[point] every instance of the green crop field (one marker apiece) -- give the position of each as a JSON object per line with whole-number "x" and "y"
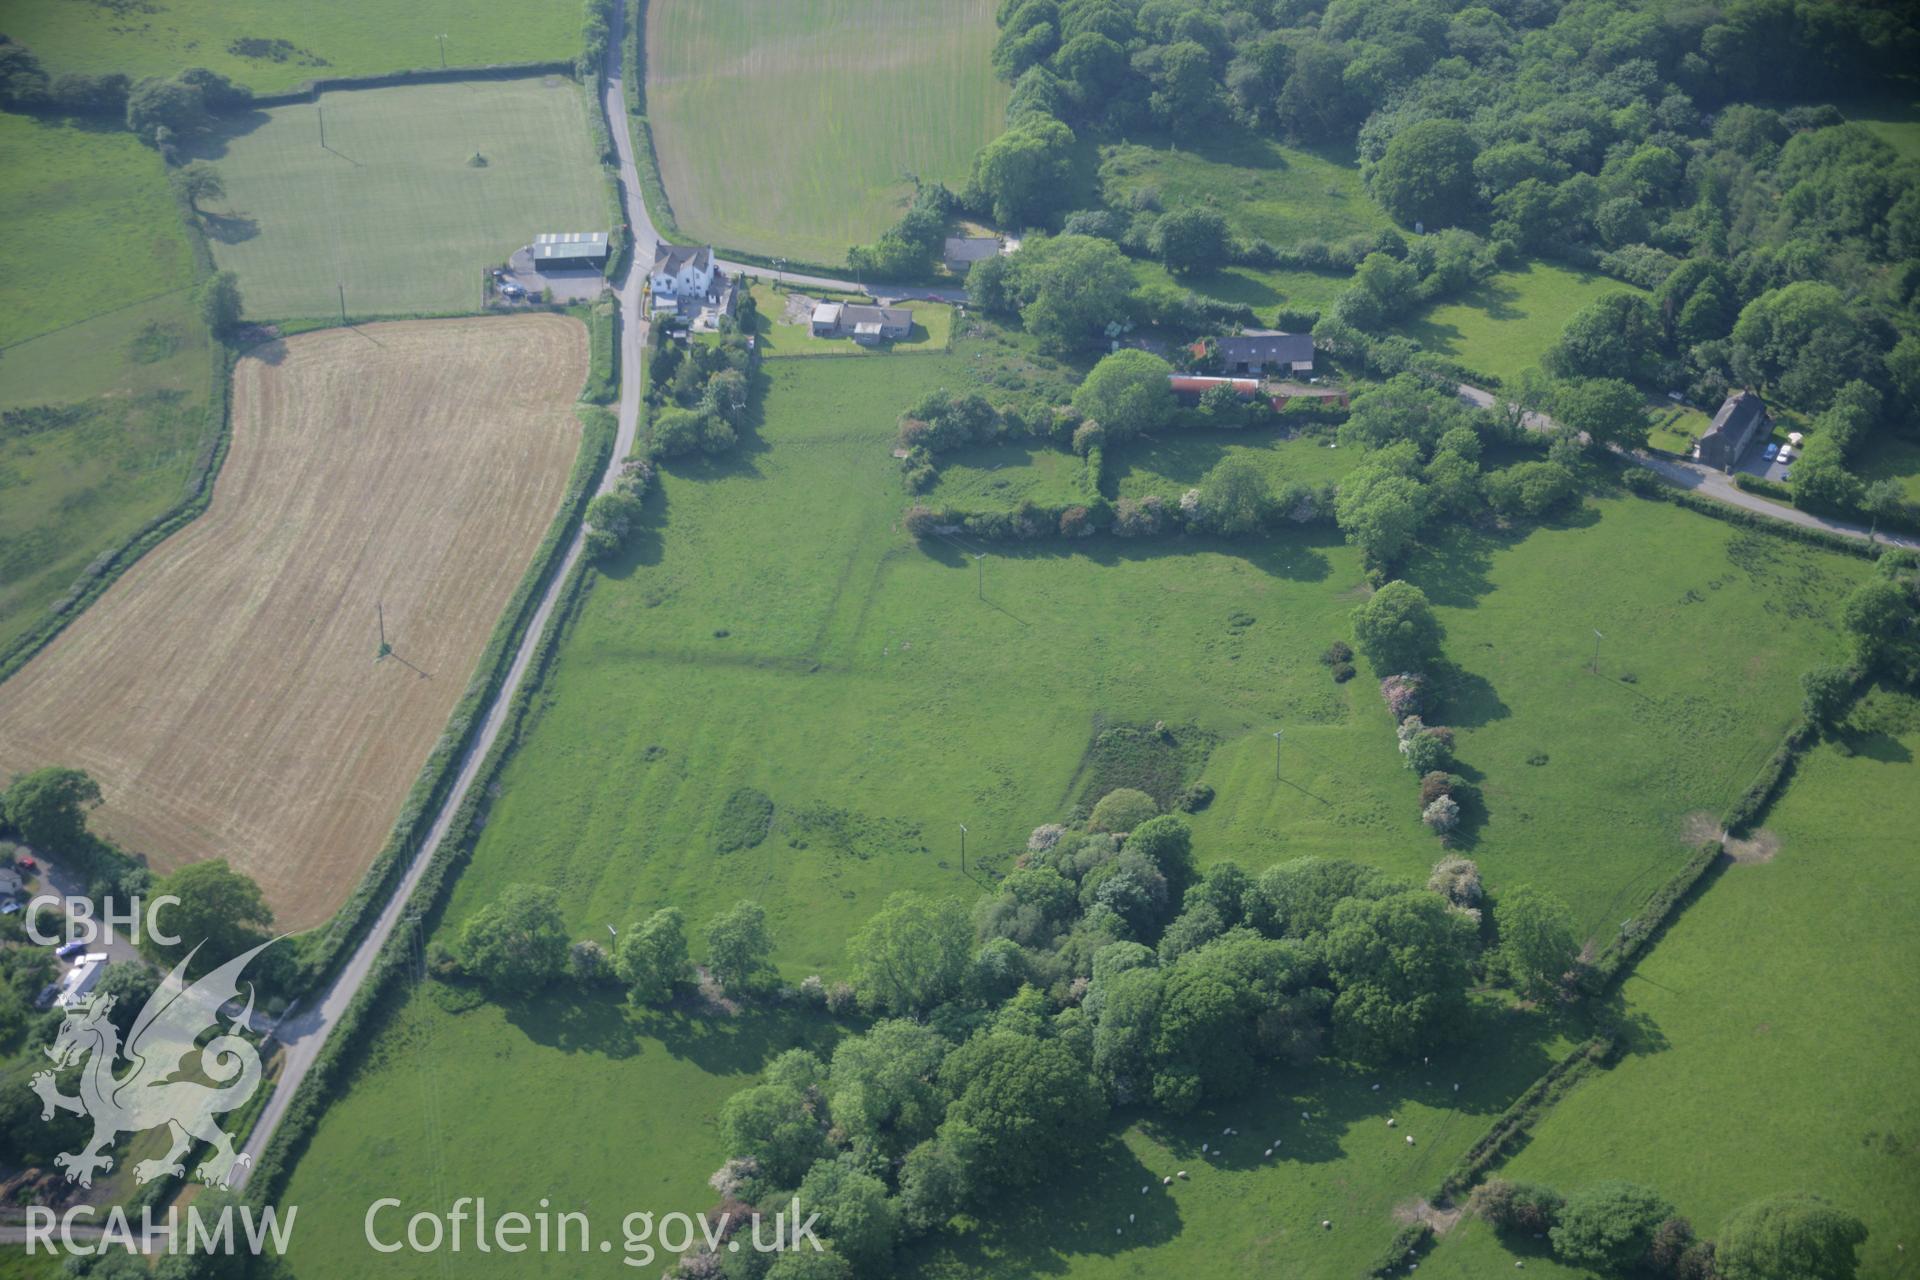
{"x": 1763, "y": 1054}
{"x": 1265, "y": 189}
{"x": 97, "y": 207}
{"x": 792, "y": 128}
{"x": 390, "y": 207}
{"x": 272, "y": 46}
{"x": 1506, "y": 324}
{"x": 775, "y": 630}
{"x": 103, "y": 359}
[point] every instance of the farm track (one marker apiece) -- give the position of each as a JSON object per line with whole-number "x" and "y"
{"x": 225, "y": 692}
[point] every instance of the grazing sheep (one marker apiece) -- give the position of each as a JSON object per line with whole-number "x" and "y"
{"x": 1203, "y": 1148}
{"x": 1391, "y": 1122}
{"x": 1129, "y": 1217}
{"x": 1269, "y": 1153}
{"x": 1409, "y": 1139}
{"x": 1146, "y": 1188}
{"x": 1167, "y": 1181}
{"x": 1304, "y": 1116}
{"x": 1116, "y": 1231}
{"x": 1327, "y": 1223}
{"x": 1376, "y": 1088}
{"x": 1456, "y": 1088}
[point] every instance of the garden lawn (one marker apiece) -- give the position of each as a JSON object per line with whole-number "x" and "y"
{"x": 390, "y": 207}
{"x": 998, "y": 477}
{"x": 1265, "y": 291}
{"x": 92, "y": 226}
{"x": 775, "y": 630}
{"x": 1169, "y": 463}
{"x": 1889, "y": 457}
{"x": 296, "y": 42}
{"x": 1769, "y": 1051}
{"x": 1506, "y": 324}
{"x": 793, "y": 129}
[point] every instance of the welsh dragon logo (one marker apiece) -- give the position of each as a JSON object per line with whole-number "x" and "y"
{"x": 153, "y": 1092}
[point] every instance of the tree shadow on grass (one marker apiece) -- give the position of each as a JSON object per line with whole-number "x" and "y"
{"x": 574, "y": 1020}
{"x": 1881, "y": 747}
{"x": 212, "y": 142}
{"x": 1081, "y": 1207}
{"x": 1467, "y": 700}
{"x": 738, "y": 1045}
{"x": 601, "y": 1022}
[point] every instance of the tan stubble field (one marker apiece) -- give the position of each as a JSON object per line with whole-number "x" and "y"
{"x": 225, "y": 692}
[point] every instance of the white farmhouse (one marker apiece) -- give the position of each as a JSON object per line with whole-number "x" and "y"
{"x": 681, "y": 271}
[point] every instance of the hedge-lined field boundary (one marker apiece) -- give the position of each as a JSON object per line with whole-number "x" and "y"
{"x": 1517, "y": 1120}
{"x": 310, "y": 90}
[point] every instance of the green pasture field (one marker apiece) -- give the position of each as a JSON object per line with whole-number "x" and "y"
{"x": 775, "y": 629}
{"x": 390, "y": 207}
{"x": 1506, "y": 324}
{"x": 1265, "y": 189}
{"x": 932, "y": 330}
{"x": 104, "y": 367}
{"x": 794, "y": 129}
{"x": 92, "y": 225}
{"x": 1265, "y": 291}
{"x": 344, "y": 38}
{"x": 1767, "y": 1050}
{"x": 1888, "y": 457}
{"x": 1171, "y": 462}
{"x": 999, "y": 476}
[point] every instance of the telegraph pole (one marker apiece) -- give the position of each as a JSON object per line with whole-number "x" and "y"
{"x": 963, "y": 848}
{"x": 980, "y": 563}
{"x": 1276, "y": 753}
{"x": 320, "y": 113}
{"x": 443, "y": 50}
{"x": 343, "y": 303}
{"x": 1597, "y": 638}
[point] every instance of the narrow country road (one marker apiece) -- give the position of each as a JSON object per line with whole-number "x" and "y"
{"x": 1711, "y": 483}
{"x": 305, "y": 1030}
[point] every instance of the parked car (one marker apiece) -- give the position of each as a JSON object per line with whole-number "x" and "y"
{"x": 1787, "y": 474}
{"x": 9, "y": 907}
{"x": 26, "y": 863}
{"x": 1772, "y": 448}
{"x": 512, "y": 290}
{"x": 1785, "y": 454}
{"x": 68, "y": 950}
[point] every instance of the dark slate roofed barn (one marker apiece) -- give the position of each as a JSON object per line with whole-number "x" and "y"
{"x": 1258, "y": 349}
{"x": 1742, "y": 419}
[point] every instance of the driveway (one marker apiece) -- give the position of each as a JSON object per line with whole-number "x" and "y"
{"x": 1713, "y": 484}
